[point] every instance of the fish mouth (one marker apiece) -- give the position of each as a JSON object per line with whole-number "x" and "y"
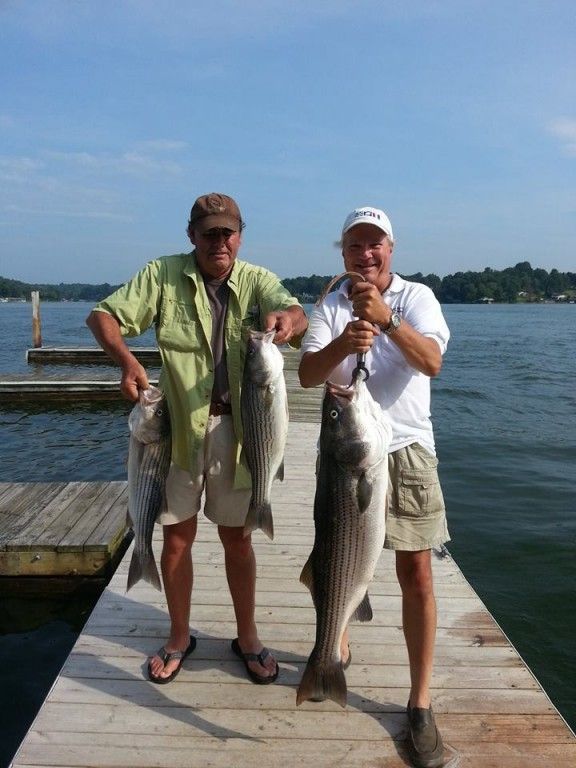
{"x": 340, "y": 390}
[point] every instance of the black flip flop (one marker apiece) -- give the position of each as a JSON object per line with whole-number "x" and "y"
{"x": 166, "y": 657}
{"x": 260, "y": 658}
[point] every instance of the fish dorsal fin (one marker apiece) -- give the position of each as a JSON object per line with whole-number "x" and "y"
{"x": 364, "y": 610}
{"x": 363, "y": 492}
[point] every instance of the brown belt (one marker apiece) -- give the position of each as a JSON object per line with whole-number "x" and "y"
{"x": 220, "y": 409}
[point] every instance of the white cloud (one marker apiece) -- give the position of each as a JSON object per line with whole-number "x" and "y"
{"x": 6, "y": 121}
{"x": 162, "y": 145}
{"x": 67, "y": 213}
{"x": 127, "y": 163}
{"x": 18, "y": 169}
{"x": 565, "y": 130}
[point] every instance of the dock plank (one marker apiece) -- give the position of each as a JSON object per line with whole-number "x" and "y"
{"x": 61, "y": 529}
{"x": 102, "y": 711}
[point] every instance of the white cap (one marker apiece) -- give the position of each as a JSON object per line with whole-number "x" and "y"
{"x": 368, "y": 215}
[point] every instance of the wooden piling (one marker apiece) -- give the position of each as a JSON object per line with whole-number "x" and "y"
{"x": 36, "y": 324}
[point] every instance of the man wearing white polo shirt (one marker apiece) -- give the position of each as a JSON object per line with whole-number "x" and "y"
{"x": 400, "y": 324}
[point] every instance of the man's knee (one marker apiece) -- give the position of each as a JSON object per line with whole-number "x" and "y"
{"x": 178, "y": 538}
{"x": 414, "y": 571}
{"x": 236, "y": 545}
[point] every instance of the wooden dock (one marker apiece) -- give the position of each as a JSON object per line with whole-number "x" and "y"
{"x": 103, "y": 712}
{"x": 86, "y": 355}
{"x": 30, "y": 388}
{"x": 61, "y": 529}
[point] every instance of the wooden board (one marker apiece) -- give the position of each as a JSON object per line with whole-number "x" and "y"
{"x": 60, "y": 529}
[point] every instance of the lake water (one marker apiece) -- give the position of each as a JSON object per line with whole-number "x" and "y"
{"x": 503, "y": 409}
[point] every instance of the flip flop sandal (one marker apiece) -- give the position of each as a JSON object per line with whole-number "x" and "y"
{"x": 169, "y": 656}
{"x": 260, "y": 658}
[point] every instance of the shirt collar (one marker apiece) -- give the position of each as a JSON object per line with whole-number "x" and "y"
{"x": 192, "y": 271}
{"x": 396, "y": 286}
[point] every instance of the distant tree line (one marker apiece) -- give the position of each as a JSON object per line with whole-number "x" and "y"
{"x": 14, "y": 289}
{"x": 514, "y": 284}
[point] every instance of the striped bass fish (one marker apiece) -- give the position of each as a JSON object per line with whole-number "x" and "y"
{"x": 148, "y": 465}
{"x": 349, "y": 519}
{"x": 264, "y": 407}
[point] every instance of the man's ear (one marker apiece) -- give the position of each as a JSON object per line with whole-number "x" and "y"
{"x": 191, "y": 235}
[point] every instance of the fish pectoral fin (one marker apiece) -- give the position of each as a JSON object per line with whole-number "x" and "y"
{"x": 307, "y": 576}
{"x": 280, "y": 472}
{"x": 364, "y": 610}
{"x": 363, "y": 492}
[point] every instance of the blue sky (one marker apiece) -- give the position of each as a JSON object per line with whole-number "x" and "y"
{"x": 457, "y": 117}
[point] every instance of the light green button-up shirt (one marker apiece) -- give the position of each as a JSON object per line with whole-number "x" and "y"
{"x": 169, "y": 293}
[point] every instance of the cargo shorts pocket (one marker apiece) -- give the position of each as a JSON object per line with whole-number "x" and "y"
{"x": 420, "y": 494}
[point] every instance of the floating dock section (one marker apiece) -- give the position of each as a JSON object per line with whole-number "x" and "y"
{"x": 61, "y": 529}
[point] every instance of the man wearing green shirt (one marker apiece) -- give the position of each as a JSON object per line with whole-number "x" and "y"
{"x": 201, "y": 305}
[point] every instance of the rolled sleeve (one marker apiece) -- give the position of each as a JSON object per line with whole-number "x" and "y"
{"x": 136, "y": 304}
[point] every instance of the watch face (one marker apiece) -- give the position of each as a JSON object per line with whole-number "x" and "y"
{"x": 395, "y": 321}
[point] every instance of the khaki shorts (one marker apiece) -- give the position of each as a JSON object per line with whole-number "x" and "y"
{"x": 415, "y": 516}
{"x": 223, "y": 504}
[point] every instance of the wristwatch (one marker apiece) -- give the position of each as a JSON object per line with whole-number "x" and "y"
{"x": 394, "y": 323}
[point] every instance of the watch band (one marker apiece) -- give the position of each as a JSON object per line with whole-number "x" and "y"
{"x": 394, "y": 323}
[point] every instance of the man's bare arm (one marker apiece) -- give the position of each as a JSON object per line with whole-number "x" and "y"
{"x": 106, "y": 330}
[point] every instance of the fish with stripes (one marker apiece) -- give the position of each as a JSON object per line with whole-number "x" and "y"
{"x": 148, "y": 464}
{"x": 264, "y": 409}
{"x": 349, "y": 521}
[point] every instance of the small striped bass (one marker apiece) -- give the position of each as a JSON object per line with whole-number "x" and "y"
{"x": 349, "y": 519}
{"x": 264, "y": 407}
{"x": 148, "y": 465}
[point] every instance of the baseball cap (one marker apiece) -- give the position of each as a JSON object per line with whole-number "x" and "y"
{"x": 368, "y": 215}
{"x": 215, "y": 210}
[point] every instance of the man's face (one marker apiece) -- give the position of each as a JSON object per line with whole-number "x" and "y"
{"x": 216, "y": 250}
{"x": 367, "y": 250}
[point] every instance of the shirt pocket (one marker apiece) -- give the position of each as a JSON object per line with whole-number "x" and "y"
{"x": 420, "y": 493}
{"x": 179, "y": 328}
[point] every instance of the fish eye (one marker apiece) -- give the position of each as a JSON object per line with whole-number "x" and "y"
{"x": 159, "y": 412}
{"x": 333, "y": 413}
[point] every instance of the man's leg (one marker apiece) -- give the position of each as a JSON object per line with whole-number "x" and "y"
{"x": 177, "y": 575}
{"x": 414, "y": 571}
{"x": 241, "y": 574}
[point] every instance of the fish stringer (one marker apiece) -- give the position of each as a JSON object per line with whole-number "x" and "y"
{"x": 360, "y": 369}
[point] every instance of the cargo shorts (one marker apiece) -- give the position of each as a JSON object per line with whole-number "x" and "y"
{"x": 415, "y": 514}
{"x": 223, "y": 504}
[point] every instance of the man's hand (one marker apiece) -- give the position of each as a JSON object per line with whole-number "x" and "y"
{"x": 288, "y": 323}
{"x": 367, "y": 304}
{"x": 358, "y": 336}
{"x": 134, "y": 378}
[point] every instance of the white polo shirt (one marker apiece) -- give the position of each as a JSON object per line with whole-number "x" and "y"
{"x": 402, "y": 391}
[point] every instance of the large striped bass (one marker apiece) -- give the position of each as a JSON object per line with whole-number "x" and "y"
{"x": 264, "y": 406}
{"x": 148, "y": 465}
{"x": 349, "y": 519}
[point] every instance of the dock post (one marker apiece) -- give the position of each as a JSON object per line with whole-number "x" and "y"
{"x": 36, "y": 325}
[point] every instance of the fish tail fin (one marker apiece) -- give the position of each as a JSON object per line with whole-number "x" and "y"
{"x": 259, "y": 516}
{"x": 364, "y": 610}
{"x": 318, "y": 684}
{"x": 143, "y": 567}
